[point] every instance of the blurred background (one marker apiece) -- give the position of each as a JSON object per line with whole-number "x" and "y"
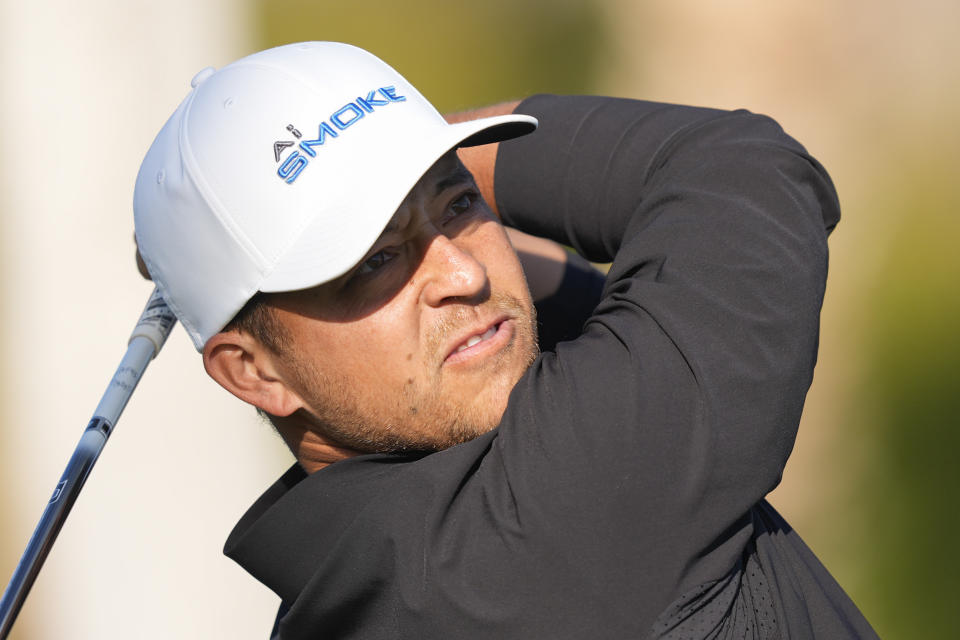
{"x": 871, "y": 88}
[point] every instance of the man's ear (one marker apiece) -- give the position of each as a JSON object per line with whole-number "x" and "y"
{"x": 247, "y": 369}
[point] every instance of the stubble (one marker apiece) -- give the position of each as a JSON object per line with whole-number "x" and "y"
{"x": 421, "y": 415}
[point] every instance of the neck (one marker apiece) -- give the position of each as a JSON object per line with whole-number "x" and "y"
{"x": 312, "y": 450}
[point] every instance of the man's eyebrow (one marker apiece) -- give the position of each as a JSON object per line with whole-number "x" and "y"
{"x": 460, "y": 175}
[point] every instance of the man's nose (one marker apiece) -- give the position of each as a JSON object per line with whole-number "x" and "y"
{"x": 451, "y": 273}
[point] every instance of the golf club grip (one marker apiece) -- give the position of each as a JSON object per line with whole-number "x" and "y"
{"x": 147, "y": 339}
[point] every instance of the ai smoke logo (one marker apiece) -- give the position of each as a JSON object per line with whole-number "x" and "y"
{"x": 340, "y": 120}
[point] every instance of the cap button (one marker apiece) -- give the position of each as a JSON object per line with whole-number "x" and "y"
{"x": 202, "y": 75}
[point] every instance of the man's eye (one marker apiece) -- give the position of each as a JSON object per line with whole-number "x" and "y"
{"x": 462, "y": 204}
{"x": 375, "y": 261}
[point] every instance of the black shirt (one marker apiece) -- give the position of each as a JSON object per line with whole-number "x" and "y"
{"x": 622, "y": 495}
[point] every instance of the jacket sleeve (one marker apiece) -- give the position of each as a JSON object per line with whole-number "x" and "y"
{"x": 653, "y": 434}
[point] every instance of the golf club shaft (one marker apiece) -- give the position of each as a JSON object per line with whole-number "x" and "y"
{"x": 148, "y": 337}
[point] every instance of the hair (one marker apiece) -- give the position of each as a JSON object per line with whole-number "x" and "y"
{"x": 257, "y": 319}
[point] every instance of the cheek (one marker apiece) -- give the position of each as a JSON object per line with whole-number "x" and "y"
{"x": 503, "y": 265}
{"x": 379, "y": 350}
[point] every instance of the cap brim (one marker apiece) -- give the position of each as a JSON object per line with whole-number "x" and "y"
{"x": 327, "y": 249}
{"x": 498, "y": 129}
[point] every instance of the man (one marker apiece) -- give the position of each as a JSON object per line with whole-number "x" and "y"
{"x": 305, "y": 216}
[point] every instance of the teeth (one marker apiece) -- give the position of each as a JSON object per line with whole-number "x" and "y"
{"x": 472, "y": 340}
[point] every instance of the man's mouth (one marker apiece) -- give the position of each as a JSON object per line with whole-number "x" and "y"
{"x": 472, "y": 340}
{"x": 486, "y": 342}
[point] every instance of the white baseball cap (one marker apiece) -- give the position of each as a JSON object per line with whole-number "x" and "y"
{"x": 279, "y": 172}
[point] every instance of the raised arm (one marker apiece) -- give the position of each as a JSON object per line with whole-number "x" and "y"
{"x": 675, "y": 411}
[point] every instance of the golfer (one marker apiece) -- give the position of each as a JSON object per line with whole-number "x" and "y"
{"x": 342, "y": 267}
